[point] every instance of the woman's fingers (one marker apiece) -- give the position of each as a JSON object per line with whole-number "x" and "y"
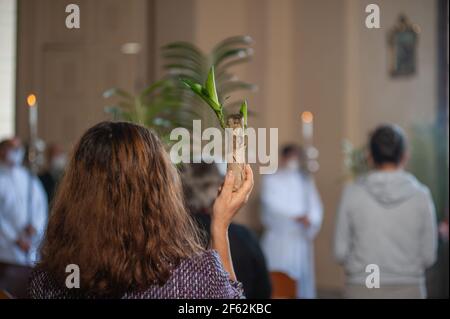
{"x": 248, "y": 173}
{"x": 246, "y": 188}
{"x": 228, "y": 202}
{"x": 227, "y": 187}
{"x": 248, "y": 183}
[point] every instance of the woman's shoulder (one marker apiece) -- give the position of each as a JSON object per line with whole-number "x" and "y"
{"x": 205, "y": 258}
{"x": 38, "y": 283}
{"x": 207, "y": 270}
{"x": 42, "y": 285}
{"x": 205, "y": 265}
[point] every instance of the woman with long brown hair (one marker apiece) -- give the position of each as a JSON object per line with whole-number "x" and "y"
{"x": 119, "y": 217}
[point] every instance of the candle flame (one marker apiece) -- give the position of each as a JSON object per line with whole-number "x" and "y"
{"x": 31, "y": 100}
{"x": 307, "y": 117}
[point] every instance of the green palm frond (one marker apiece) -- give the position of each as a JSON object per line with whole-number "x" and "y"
{"x": 171, "y": 103}
{"x": 208, "y": 93}
{"x": 158, "y": 106}
{"x": 244, "y": 112}
{"x": 183, "y": 60}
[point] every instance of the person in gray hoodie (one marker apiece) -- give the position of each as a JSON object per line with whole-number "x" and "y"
{"x": 385, "y": 233}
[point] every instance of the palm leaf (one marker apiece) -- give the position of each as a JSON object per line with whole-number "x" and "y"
{"x": 243, "y": 111}
{"x": 241, "y": 40}
{"x": 210, "y": 86}
{"x": 234, "y": 53}
{"x": 117, "y": 92}
{"x": 187, "y": 62}
{"x": 201, "y": 92}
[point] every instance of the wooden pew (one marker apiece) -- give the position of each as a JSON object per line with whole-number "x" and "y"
{"x": 14, "y": 280}
{"x": 5, "y": 295}
{"x": 283, "y": 286}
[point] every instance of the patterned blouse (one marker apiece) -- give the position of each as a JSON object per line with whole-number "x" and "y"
{"x": 200, "y": 277}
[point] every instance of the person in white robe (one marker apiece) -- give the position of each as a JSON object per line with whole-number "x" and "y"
{"x": 292, "y": 216}
{"x": 23, "y": 207}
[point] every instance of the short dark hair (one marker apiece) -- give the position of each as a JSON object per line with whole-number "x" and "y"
{"x": 387, "y": 144}
{"x": 289, "y": 149}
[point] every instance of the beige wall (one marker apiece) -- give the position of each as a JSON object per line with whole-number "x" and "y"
{"x": 320, "y": 51}
{"x": 174, "y": 21}
{"x": 69, "y": 69}
{"x": 373, "y": 96}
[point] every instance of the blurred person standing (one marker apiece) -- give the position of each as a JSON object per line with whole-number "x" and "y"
{"x": 292, "y": 216}
{"x": 201, "y": 182}
{"x": 386, "y": 218}
{"x": 23, "y": 207}
{"x": 55, "y": 164}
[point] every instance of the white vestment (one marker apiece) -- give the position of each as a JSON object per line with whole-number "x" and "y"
{"x": 23, "y": 202}
{"x": 288, "y": 244}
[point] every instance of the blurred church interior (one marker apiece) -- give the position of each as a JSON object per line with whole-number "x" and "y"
{"x": 309, "y": 55}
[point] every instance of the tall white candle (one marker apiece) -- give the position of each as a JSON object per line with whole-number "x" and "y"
{"x": 307, "y": 127}
{"x": 32, "y": 116}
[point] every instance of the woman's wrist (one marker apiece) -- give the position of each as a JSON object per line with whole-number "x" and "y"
{"x": 218, "y": 227}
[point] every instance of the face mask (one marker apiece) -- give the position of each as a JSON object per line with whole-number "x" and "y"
{"x": 59, "y": 163}
{"x": 293, "y": 165}
{"x": 15, "y": 156}
{"x": 222, "y": 167}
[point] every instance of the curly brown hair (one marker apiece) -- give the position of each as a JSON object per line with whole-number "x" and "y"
{"x": 119, "y": 213}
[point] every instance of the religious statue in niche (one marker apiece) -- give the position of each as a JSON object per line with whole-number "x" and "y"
{"x": 403, "y": 40}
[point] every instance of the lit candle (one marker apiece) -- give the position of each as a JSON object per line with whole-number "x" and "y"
{"x": 32, "y": 116}
{"x": 307, "y": 127}
{"x": 32, "y": 121}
